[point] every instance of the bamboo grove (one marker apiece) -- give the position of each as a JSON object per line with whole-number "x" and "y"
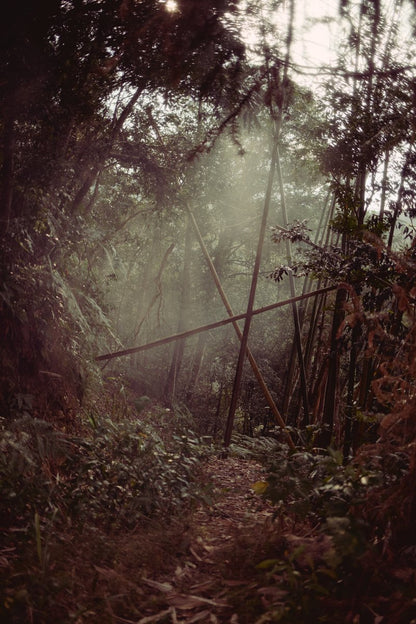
{"x": 329, "y": 387}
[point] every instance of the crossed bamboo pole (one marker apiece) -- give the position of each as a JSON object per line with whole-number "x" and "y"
{"x": 239, "y": 333}
{"x": 233, "y": 318}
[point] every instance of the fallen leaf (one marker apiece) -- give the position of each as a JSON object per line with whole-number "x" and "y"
{"x": 163, "y": 587}
{"x": 259, "y": 487}
{"x": 188, "y": 601}
{"x": 195, "y": 554}
{"x": 273, "y": 592}
{"x": 207, "y": 547}
{"x": 203, "y": 585}
{"x": 156, "y": 617}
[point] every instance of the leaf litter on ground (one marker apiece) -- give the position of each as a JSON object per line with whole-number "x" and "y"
{"x": 197, "y": 589}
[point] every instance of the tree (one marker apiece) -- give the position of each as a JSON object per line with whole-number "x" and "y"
{"x": 72, "y": 75}
{"x": 375, "y": 99}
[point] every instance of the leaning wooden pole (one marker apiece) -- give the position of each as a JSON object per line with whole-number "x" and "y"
{"x": 250, "y": 305}
{"x": 227, "y": 305}
{"x": 203, "y": 328}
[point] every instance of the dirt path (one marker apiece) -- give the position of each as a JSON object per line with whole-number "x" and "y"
{"x": 199, "y": 590}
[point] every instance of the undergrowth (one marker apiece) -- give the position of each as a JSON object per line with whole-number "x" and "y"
{"x": 87, "y": 518}
{"x": 331, "y": 553}
{"x": 70, "y": 505}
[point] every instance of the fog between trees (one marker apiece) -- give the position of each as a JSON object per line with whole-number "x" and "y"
{"x": 113, "y": 126}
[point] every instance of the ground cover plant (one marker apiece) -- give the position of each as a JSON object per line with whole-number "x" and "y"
{"x": 58, "y": 490}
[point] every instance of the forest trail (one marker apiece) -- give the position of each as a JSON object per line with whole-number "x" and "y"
{"x": 199, "y": 591}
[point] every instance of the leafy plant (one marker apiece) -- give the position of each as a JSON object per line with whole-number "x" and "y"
{"x": 260, "y": 448}
{"x": 32, "y": 452}
{"x": 340, "y": 564}
{"x": 126, "y": 471}
{"x": 114, "y": 478}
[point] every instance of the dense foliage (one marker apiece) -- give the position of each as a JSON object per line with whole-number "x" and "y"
{"x": 135, "y": 148}
{"x": 116, "y": 475}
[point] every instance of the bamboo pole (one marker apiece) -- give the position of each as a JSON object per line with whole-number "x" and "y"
{"x": 253, "y": 363}
{"x": 202, "y": 328}
{"x": 298, "y": 338}
{"x": 250, "y": 304}
{"x": 320, "y": 242}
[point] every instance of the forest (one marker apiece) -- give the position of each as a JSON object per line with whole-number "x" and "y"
{"x": 208, "y": 312}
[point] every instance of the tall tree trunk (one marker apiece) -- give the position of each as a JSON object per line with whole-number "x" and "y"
{"x": 277, "y": 116}
{"x": 384, "y": 183}
{"x": 321, "y": 239}
{"x": 296, "y": 320}
{"x": 398, "y": 202}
